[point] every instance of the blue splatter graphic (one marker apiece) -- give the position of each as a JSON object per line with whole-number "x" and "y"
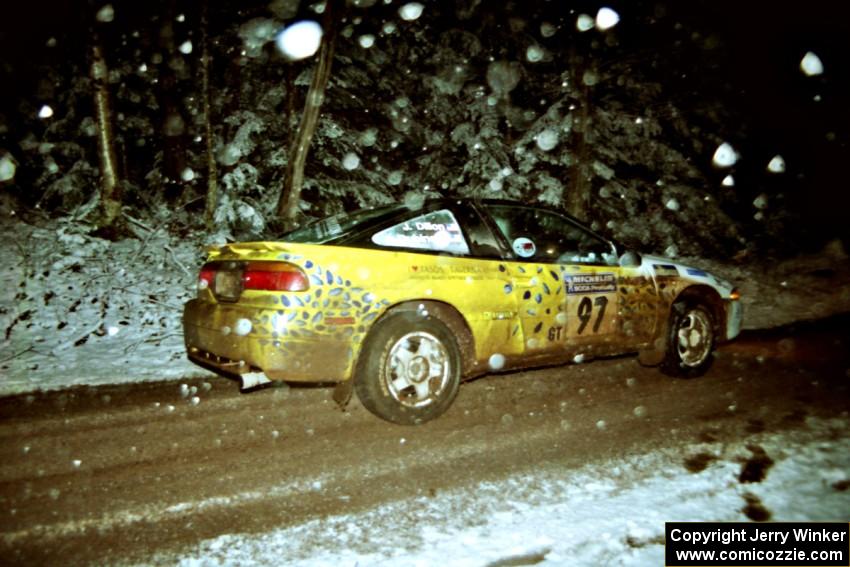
{"x": 508, "y": 288}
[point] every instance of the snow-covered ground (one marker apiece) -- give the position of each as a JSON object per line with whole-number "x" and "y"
{"x": 79, "y": 310}
{"x": 611, "y": 513}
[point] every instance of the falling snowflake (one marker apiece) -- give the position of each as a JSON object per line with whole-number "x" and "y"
{"x": 590, "y": 78}
{"x": 45, "y": 112}
{"x": 547, "y": 29}
{"x": 534, "y": 54}
{"x": 776, "y": 165}
{"x": 7, "y": 168}
{"x": 411, "y": 11}
{"x": 547, "y": 139}
{"x": 584, "y": 23}
{"x": 186, "y": 47}
{"x": 497, "y": 361}
{"x": 300, "y": 40}
{"x": 728, "y": 181}
{"x": 760, "y": 202}
{"x": 243, "y": 327}
{"x": 725, "y": 155}
{"x": 606, "y": 18}
{"x": 351, "y": 161}
{"x": 811, "y": 64}
{"x": 106, "y": 14}
{"x": 366, "y": 41}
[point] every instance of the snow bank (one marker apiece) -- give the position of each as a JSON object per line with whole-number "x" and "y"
{"x": 81, "y": 310}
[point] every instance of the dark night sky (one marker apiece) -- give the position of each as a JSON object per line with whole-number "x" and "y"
{"x": 760, "y": 45}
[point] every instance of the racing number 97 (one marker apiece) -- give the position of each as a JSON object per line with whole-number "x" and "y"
{"x": 585, "y": 312}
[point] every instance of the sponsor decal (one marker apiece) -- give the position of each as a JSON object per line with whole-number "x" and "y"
{"x": 590, "y": 283}
{"x": 524, "y": 247}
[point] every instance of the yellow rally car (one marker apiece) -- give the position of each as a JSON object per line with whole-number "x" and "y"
{"x": 399, "y": 304}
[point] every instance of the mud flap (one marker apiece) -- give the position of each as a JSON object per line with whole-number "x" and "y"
{"x": 251, "y": 380}
{"x": 342, "y": 393}
{"x": 654, "y": 354}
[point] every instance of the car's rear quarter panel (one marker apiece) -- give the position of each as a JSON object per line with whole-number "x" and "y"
{"x": 316, "y": 335}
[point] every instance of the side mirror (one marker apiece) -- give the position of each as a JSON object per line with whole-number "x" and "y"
{"x": 629, "y": 259}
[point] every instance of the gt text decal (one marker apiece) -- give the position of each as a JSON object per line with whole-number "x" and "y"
{"x": 590, "y": 283}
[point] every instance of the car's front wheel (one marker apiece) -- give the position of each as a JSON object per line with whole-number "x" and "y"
{"x": 409, "y": 369}
{"x": 690, "y": 342}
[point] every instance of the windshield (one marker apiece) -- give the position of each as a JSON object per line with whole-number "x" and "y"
{"x": 333, "y": 227}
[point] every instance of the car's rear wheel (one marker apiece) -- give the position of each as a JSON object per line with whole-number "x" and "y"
{"x": 691, "y": 340}
{"x": 409, "y": 369}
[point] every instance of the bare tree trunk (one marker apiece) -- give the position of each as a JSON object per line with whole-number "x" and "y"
{"x": 173, "y": 125}
{"x": 290, "y": 196}
{"x": 110, "y": 187}
{"x": 579, "y": 197}
{"x": 212, "y": 169}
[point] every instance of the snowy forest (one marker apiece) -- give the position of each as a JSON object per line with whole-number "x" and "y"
{"x": 643, "y": 119}
{"x": 133, "y": 135}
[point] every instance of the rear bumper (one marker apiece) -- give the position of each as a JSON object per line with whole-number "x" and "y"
{"x": 231, "y": 339}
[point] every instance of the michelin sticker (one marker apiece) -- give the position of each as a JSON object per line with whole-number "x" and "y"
{"x": 524, "y": 247}
{"x": 590, "y": 283}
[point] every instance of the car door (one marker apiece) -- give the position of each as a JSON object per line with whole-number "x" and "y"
{"x": 534, "y": 274}
{"x": 567, "y": 279}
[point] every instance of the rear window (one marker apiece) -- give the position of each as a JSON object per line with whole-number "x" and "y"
{"x": 437, "y": 231}
{"x": 337, "y": 226}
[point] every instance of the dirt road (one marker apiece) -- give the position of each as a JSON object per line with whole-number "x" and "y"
{"x": 113, "y": 474}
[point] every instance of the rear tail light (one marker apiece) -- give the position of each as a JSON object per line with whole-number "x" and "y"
{"x": 206, "y": 277}
{"x": 735, "y": 295}
{"x": 228, "y": 279}
{"x": 274, "y": 276}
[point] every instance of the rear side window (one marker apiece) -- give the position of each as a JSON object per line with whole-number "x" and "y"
{"x": 337, "y": 226}
{"x": 437, "y": 231}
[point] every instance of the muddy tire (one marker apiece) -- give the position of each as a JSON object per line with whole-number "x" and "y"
{"x": 690, "y": 340}
{"x": 409, "y": 369}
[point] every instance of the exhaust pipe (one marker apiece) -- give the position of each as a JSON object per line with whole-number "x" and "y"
{"x": 252, "y": 380}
